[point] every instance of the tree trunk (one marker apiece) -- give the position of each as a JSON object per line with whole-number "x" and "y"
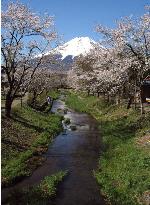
{"x": 141, "y": 103}
{"x": 8, "y": 105}
{"x": 135, "y": 90}
{"x": 117, "y": 100}
{"x": 108, "y": 98}
{"x": 33, "y": 101}
{"x": 21, "y": 101}
{"x": 130, "y": 102}
{"x": 104, "y": 96}
{"x": 47, "y": 92}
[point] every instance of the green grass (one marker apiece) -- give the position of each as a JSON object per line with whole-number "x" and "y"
{"x": 79, "y": 103}
{"x": 42, "y": 193}
{"x": 124, "y": 167}
{"x": 54, "y": 94}
{"x": 124, "y": 174}
{"x": 83, "y": 103}
{"x": 48, "y": 187}
{"x": 41, "y": 99}
{"x": 24, "y": 137}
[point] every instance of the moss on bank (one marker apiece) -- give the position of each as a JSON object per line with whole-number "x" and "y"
{"x": 24, "y": 138}
{"x": 124, "y": 167}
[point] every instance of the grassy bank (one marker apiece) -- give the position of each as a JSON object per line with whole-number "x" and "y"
{"x": 123, "y": 173}
{"x": 43, "y": 97}
{"x": 25, "y": 137}
{"x": 43, "y": 193}
{"x": 48, "y": 187}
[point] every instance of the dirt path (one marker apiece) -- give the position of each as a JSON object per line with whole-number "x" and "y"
{"x": 76, "y": 151}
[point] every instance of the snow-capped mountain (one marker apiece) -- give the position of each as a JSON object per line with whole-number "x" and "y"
{"x": 75, "y": 47}
{"x": 65, "y": 53}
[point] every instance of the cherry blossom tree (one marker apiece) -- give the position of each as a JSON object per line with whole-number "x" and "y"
{"x": 41, "y": 82}
{"x": 118, "y": 64}
{"x": 99, "y": 72}
{"x": 131, "y": 39}
{"x": 22, "y": 29}
{"x": 83, "y": 67}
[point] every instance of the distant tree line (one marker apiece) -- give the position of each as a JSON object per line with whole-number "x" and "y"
{"x": 117, "y": 66}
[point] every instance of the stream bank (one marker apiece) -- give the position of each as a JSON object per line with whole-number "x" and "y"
{"x": 76, "y": 150}
{"x": 123, "y": 173}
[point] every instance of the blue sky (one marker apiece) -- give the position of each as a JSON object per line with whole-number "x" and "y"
{"x": 75, "y": 18}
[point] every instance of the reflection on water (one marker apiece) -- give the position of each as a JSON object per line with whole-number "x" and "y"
{"x": 76, "y": 151}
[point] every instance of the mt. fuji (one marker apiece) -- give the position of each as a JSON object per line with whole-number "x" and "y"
{"x": 75, "y": 47}
{"x": 65, "y": 54}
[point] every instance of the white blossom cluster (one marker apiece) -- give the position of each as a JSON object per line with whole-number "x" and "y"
{"x": 120, "y": 62}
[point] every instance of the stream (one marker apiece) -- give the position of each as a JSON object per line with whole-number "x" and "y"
{"x": 77, "y": 150}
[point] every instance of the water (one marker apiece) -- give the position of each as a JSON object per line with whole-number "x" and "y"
{"x": 76, "y": 151}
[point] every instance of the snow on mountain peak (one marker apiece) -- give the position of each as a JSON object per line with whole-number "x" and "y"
{"x": 76, "y": 46}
